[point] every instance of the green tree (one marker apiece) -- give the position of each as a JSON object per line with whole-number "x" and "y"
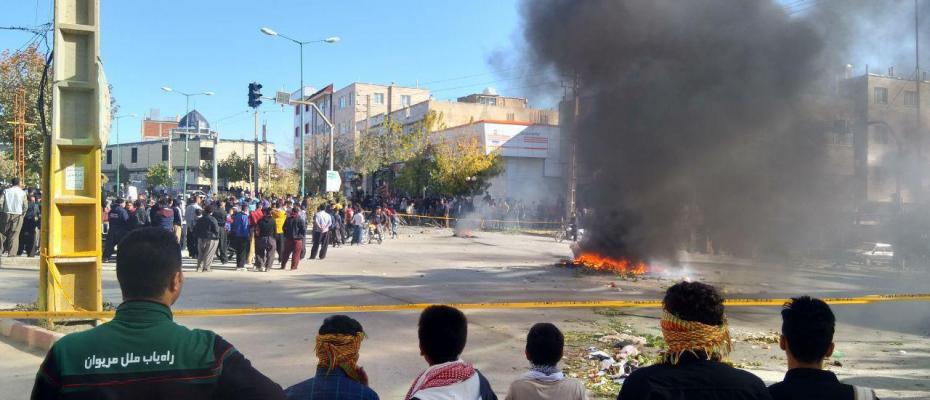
{"x": 235, "y": 168}
{"x": 318, "y": 163}
{"x": 22, "y": 70}
{"x": 394, "y": 143}
{"x": 277, "y": 180}
{"x": 463, "y": 168}
{"x": 158, "y": 175}
{"x": 416, "y": 175}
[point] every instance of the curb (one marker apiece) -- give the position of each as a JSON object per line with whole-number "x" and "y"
{"x": 31, "y": 336}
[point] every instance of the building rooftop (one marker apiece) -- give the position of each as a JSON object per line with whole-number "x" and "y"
{"x": 194, "y": 120}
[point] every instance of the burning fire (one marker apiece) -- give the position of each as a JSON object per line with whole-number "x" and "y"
{"x": 599, "y": 262}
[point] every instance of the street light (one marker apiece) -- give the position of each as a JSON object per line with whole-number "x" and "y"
{"x": 187, "y": 97}
{"x": 330, "y": 40}
{"x": 119, "y": 159}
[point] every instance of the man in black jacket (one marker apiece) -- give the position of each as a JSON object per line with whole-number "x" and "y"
{"x": 119, "y": 227}
{"x": 265, "y": 241}
{"x": 207, "y": 233}
{"x": 142, "y": 353}
{"x": 222, "y": 247}
{"x": 807, "y": 338}
{"x": 695, "y": 329}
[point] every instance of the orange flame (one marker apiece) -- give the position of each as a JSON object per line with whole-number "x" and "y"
{"x": 599, "y": 262}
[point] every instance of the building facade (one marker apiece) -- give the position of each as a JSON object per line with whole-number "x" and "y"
{"x": 532, "y": 156}
{"x": 346, "y": 108}
{"x": 138, "y": 157}
{"x": 888, "y": 142}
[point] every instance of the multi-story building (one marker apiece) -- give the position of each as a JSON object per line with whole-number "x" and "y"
{"x": 345, "y": 108}
{"x": 484, "y": 106}
{"x": 154, "y": 127}
{"x": 886, "y": 137}
{"x": 137, "y": 157}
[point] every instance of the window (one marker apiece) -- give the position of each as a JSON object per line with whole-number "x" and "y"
{"x": 134, "y": 155}
{"x": 296, "y": 131}
{"x": 206, "y": 154}
{"x": 109, "y": 157}
{"x": 405, "y": 100}
{"x": 164, "y": 152}
{"x": 297, "y": 110}
{"x": 491, "y": 101}
{"x": 377, "y": 98}
{"x": 306, "y": 107}
{"x": 342, "y": 102}
{"x": 881, "y": 95}
{"x": 543, "y": 118}
{"x": 511, "y": 117}
{"x": 307, "y": 128}
{"x": 351, "y": 102}
{"x": 910, "y": 98}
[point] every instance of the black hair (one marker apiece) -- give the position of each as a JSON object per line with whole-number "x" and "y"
{"x": 694, "y": 301}
{"x": 340, "y": 325}
{"x": 15, "y": 181}
{"x": 208, "y": 209}
{"x": 321, "y": 207}
{"x": 544, "y": 344}
{"x": 146, "y": 261}
{"x": 808, "y": 325}
{"x": 443, "y": 331}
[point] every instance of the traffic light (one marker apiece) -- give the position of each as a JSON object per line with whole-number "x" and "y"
{"x": 255, "y": 94}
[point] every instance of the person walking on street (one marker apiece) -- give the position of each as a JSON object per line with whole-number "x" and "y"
{"x": 28, "y": 237}
{"x": 264, "y": 242}
{"x": 295, "y": 230}
{"x": 190, "y": 218}
{"x": 279, "y": 213}
{"x": 219, "y": 214}
{"x": 11, "y": 217}
{"x": 119, "y": 227}
{"x": 322, "y": 221}
{"x": 140, "y": 215}
{"x": 358, "y": 221}
{"x": 207, "y": 232}
{"x": 178, "y": 221}
{"x": 239, "y": 237}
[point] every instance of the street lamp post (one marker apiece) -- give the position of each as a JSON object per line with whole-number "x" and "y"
{"x": 332, "y": 39}
{"x": 119, "y": 158}
{"x": 187, "y": 135}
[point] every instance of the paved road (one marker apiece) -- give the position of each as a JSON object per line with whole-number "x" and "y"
{"x": 432, "y": 266}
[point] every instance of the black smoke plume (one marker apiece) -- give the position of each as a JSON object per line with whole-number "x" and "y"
{"x": 696, "y": 124}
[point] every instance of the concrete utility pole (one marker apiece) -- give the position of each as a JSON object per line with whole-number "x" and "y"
{"x": 918, "y": 195}
{"x": 255, "y": 158}
{"x": 572, "y": 157}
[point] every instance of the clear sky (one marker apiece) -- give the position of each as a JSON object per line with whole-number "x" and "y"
{"x": 215, "y": 45}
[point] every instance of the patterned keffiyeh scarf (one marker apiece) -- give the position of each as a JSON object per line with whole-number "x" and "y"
{"x": 441, "y": 375}
{"x": 341, "y": 351}
{"x": 692, "y": 336}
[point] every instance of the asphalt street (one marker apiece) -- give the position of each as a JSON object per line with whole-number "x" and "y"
{"x": 432, "y": 266}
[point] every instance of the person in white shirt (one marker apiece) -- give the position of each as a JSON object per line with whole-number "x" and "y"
{"x": 358, "y": 220}
{"x": 545, "y": 381}
{"x": 190, "y": 219}
{"x": 11, "y": 217}
{"x": 322, "y": 221}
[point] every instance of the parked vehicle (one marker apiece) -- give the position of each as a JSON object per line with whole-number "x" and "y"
{"x": 875, "y": 253}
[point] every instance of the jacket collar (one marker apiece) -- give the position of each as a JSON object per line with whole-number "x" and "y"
{"x": 143, "y": 311}
{"x": 811, "y": 374}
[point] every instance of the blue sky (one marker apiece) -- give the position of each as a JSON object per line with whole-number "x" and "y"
{"x": 216, "y": 46}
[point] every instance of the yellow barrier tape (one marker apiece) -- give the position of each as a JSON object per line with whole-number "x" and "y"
{"x": 465, "y": 306}
{"x": 514, "y": 221}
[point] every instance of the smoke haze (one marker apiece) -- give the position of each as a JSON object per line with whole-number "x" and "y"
{"x": 696, "y": 123}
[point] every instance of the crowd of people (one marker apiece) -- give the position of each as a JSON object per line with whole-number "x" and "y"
{"x": 20, "y": 219}
{"x": 143, "y": 354}
{"x": 258, "y": 232}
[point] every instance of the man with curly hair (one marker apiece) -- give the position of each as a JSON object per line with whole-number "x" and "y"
{"x": 693, "y": 368}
